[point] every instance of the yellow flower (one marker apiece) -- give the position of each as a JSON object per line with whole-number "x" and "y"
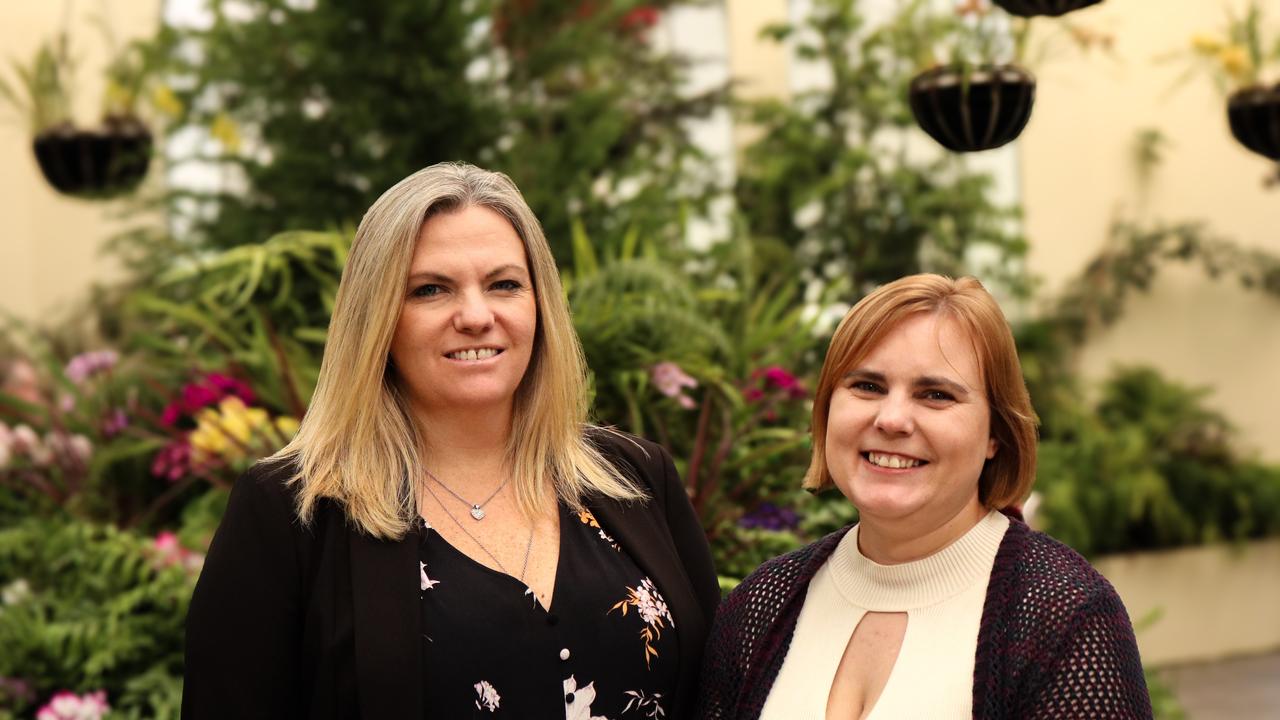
{"x": 165, "y": 101}
{"x": 1206, "y": 44}
{"x": 226, "y": 131}
{"x": 117, "y": 96}
{"x": 287, "y": 426}
{"x": 1236, "y": 62}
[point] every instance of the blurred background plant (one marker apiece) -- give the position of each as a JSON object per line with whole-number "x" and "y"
{"x": 121, "y": 432}
{"x": 1244, "y": 52}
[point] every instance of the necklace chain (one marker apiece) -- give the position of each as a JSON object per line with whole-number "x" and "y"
{"x": 524, "y": 566}
{"x": 477, "y": 509}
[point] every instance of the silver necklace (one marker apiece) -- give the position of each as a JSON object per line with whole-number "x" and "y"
{"x": 477, "y": 509}
{"x": 524, "y": 566}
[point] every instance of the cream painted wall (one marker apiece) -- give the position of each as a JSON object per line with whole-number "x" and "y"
{"x": 49, "y": 251}
{"x": 1077, "y": 175}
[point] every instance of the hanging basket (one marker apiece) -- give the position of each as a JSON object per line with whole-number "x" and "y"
{"x": 100, "y": 163}
{"x": 979, "y": 109}
{"x": 1051, "y": 8}
{"x": 1254, "y": 115}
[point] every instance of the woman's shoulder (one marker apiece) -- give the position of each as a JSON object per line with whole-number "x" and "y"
{"x": 617, "y": 444}
{"x": 1045, "y": 576}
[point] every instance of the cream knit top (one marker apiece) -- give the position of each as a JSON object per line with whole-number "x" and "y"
{"x": 942, "y": 596}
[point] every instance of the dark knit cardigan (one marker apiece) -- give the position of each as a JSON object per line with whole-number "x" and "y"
{"x": 1054, "y": 642}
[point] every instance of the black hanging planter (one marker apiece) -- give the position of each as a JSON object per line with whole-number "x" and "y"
{"x": 1254, "y": 115}
{"x": 99, "y": 163}
{"x": 1051, "y": 8}
{"x": 978, "y": 109}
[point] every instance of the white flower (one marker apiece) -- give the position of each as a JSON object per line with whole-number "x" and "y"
{"x": 577, "y": 701}
{"x": 651, "y": 605}
{"x": 487, "y": 698}
{"x": 15, "y": 592}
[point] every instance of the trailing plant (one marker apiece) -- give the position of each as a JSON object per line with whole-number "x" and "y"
{"x": 831, "y": 177}
{"x": 1133, "y": 257}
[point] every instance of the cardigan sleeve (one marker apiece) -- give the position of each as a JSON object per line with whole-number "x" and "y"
{"x": 1096, "y": 672}
{"x": 243, "y": 626}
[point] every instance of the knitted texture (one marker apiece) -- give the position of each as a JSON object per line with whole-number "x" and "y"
{"x": 1054, "y": 641}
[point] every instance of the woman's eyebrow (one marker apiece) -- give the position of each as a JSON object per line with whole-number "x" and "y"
{"x": 920, "y": 382}
{"x": 503, "y": 269}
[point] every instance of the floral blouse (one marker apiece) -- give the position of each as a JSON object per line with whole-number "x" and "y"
{"x": 605, "y": 649}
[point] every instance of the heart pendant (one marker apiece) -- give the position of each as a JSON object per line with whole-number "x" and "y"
{"x": 477, "y": 512}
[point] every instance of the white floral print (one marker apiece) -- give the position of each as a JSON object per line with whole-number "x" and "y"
{"x": 426, "y": 582}
{"x": 577, "y": 700}
{"x": 487, "y": 698}
{"x": 651, "y": 705}
{"x": 652, "y": 609}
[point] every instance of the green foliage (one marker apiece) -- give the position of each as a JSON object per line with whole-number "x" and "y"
{"x": 1151, "y": 467}
{"x": 43, "y": 90}
{"x": 1132, "y": 259}
{"x": 89, "y": 608}
{"x": 302, "y": 100}
{"x": 831, "y": 176}
{"x": 567, "y": 98}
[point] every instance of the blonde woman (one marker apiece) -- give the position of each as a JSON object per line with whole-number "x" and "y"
{"x": 937, "y": 604}
{"x": 446, "y": 537}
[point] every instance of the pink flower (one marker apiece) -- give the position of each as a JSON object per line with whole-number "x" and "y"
{"x": 779, "y": 378}
{"x": 173, "y": 461}
{"x": 66, "y": 705}
{"x": 169, "y": 552}
{"x": 115, "y": 422}
{"x": 671, "y": 380}
{"x": 86, "y": 365}
{"x": 198, "y": 395}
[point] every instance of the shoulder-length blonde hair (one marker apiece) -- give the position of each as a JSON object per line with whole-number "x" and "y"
{"x": 358, "y": 443}
{"x": 1006, "y": 478}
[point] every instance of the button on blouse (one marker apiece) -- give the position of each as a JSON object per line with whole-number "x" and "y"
{"x": 606, "y": 646}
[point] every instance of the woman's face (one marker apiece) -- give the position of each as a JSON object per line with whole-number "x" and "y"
{"x": 467, "y": 323}
{"x": 909, "y": 428}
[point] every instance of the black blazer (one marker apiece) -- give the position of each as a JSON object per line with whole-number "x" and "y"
{"x": 323, "y": 621}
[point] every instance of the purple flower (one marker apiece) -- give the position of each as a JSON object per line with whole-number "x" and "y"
{"x": 86, "y": 365}
{"x": 115, "y": 422}
{"x": 16, "y": 689}
{"x": 768, "y": 516}
{"x": 228, "y": 385}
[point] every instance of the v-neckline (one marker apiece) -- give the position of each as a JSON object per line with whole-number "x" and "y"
{"x": 528, "y": 589}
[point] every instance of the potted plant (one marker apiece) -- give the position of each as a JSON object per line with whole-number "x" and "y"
{"x": 1244, "y": 68}
{"x": 975, "y": 101}
{"x": 99, "y": 162}
{"x": 1051, "y": 8}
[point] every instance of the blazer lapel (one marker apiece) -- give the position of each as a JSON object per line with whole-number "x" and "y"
{"x": 637, "y": 528}
{"x": 387, "y": 626}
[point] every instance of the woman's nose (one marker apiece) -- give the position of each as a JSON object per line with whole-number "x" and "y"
{"x": 474, "y": 314}
{"x": 894, "y": 416}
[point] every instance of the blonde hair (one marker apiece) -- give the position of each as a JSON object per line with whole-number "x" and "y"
{"x": 1006, "y": 478}
{"x": 358, "y": 443}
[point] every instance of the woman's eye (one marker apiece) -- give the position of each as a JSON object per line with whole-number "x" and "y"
{"x": 508, "y": 285}
{"x": 865, "y": 386}
{"x": 938, "y": 396}
{"x": 428, "y": 290}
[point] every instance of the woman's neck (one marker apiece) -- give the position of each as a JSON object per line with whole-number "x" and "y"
{"x": 463, "y": 445}
{"x": 897, "y": 541}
